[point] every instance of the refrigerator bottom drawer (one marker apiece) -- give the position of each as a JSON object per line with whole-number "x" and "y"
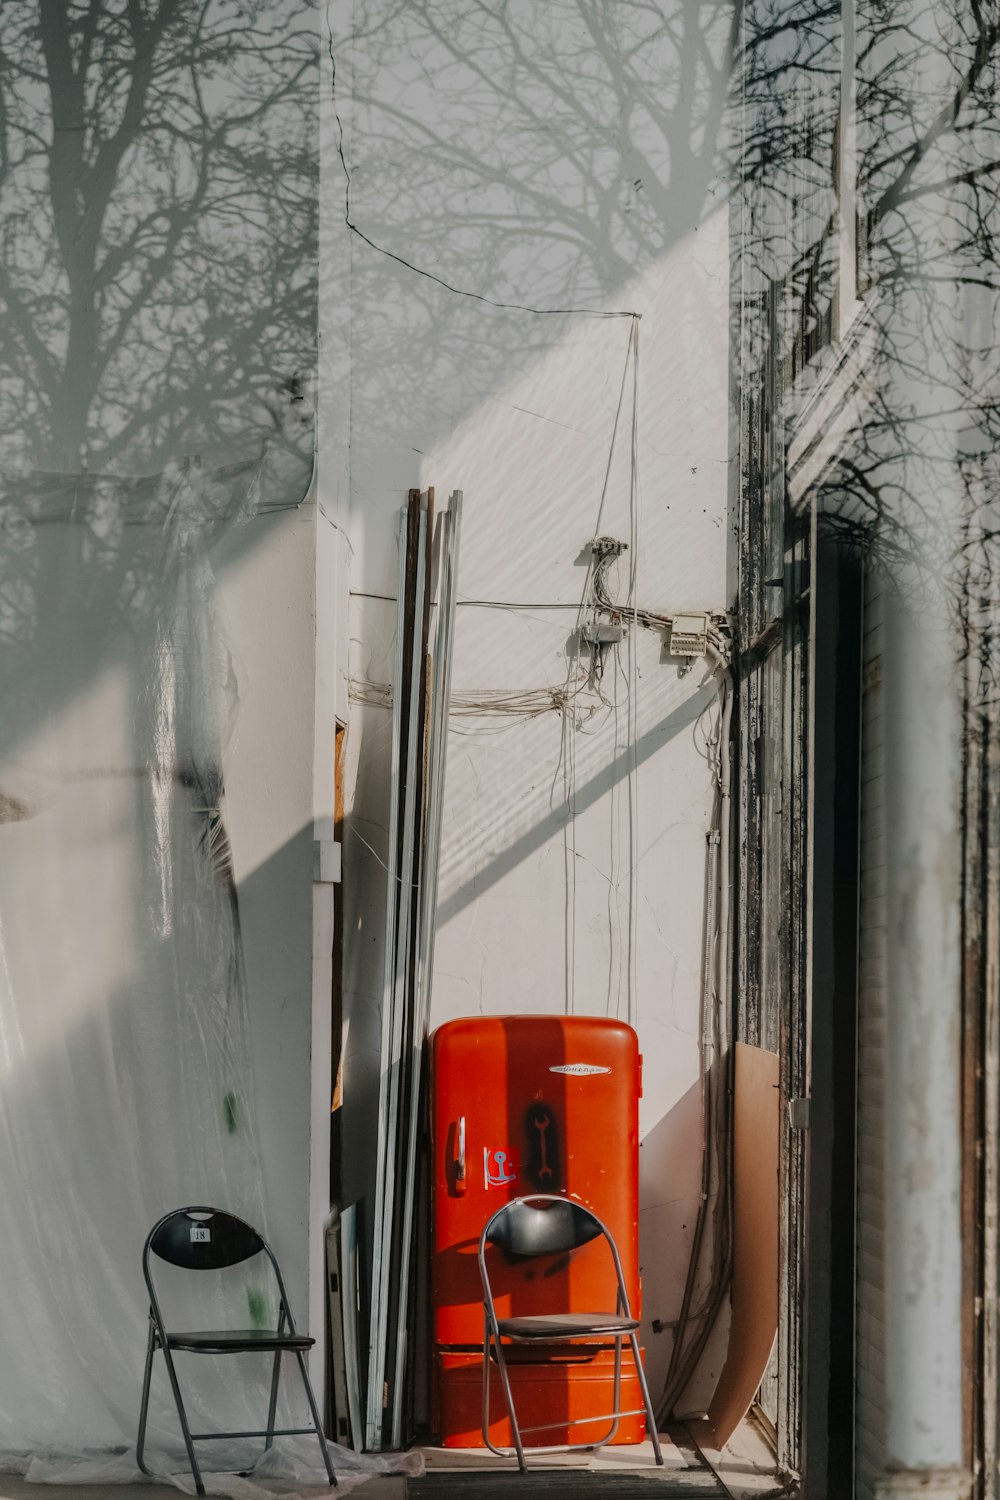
{"x": 557, "y": 1390}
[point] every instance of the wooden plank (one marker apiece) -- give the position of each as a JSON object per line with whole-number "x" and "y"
{"x": 755, "y": 1238}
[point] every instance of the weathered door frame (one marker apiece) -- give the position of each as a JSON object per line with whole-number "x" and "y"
{"x": 981, "y": 1036}
{"x": 799, "y": 593}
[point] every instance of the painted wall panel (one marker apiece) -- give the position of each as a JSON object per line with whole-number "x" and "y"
{"x": 157, "y": 347}
{"x": 548, "y": 158}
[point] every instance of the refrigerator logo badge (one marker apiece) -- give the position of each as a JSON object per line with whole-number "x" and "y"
{"x": 499, "y": 1167}
{"x": 578, "y": 1070}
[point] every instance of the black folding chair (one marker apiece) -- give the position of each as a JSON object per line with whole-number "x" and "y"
{"x": 207, "y": 1239}
{"x": 524, "y": 1227}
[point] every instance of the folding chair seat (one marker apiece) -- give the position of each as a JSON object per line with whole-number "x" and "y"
{"x": 208, "y": 1239}
{"x": 545, "y": 1224}
{"x": 242, "y": 1341}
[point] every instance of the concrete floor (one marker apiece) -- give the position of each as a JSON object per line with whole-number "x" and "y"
{"x": 378, "y": 1487}
{"x": 12, "y": 1487}
{"x": 743, "y": 1470}
{"x": 627, "y": 1473}
{"x": 381, "y": 1487}
{"x": 633, "y": 1457}
{"x": 455, "y": 1484}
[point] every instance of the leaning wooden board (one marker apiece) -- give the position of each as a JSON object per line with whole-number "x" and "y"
{"x": 754, "y": 1320}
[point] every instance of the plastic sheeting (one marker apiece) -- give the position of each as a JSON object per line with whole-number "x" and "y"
{"x": 159, "y": 273}
{"x": 287, "y": 1467}
{"x": 125, "y": 1082}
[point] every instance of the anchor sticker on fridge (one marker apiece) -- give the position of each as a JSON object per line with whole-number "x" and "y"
{"x": 499, "y": 1167}
{"x": 521, "y": 1105}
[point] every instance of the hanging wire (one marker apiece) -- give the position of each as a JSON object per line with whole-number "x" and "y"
{"x": 633, "y": 698}
{"x": 572, "y": 726}
{"x": 458, "y": 291}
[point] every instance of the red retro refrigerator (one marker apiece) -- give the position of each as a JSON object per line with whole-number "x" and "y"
{"x": 523, "y": 1104}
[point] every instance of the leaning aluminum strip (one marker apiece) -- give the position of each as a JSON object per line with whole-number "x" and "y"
{"x": 394, "y": 1025}
{"x": 374, "y": 1402}
{"x": 438, "y": 717}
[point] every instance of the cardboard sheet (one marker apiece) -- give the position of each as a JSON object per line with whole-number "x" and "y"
{"x": 755, "y": 1238}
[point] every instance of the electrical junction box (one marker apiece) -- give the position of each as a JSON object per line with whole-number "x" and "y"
{"x": 601, "y": 635}
{"x": 607, "y": 546}
{"x": 689, "y": 635}
{"x": 326, "y": 862}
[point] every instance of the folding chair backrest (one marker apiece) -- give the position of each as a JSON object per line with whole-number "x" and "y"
{"x": 204, "y": 1239}
{"x": 524, "y": 1227}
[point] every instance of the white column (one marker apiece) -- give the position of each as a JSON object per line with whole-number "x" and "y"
{"x": 923, "y": 1121}
{"x": 330, "y": 624}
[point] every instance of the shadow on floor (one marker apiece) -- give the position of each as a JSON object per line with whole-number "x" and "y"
{"x": 698, "y": 1484}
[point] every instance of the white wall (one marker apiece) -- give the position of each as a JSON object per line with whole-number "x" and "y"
{"x": 159, "y": 678}
{"x": 157, "y": 1037}
{"x": 268, "y": 599}
{"x": 283, "y": 593}
{"x": 544, "y": 155}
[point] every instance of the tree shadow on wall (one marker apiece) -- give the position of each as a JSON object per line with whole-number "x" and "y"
{"x": 913, "y": 474}
{"x": 501, "y": 169}
{"x": 158, "y": 263}
{"x": 158, "y": 190}
{"x": 158, "y": 187}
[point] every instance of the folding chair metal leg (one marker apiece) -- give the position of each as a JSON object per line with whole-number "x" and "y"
{"x": 650, "y": 1419}
{"x": 509, "y": 1399}
{"x": 140, "y": 1441}
{"x": 486, "y": 1379}
{"x": 182, "y": 1414}
{"x": 272, "y": 1408}
{"x": 315, "y": 1416}
{"x": 610, "y": 1436}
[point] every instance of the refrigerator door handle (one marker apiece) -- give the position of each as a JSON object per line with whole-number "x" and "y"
{"x": 460, "y": 1161}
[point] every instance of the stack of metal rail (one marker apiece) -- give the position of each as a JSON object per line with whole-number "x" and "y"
{"x": 425, "y": 630}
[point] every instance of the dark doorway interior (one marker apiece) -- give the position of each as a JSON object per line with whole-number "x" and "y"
{"x": 838, "y": 579}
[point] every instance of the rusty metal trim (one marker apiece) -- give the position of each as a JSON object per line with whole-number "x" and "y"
{"x": 981, "y": 1049}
